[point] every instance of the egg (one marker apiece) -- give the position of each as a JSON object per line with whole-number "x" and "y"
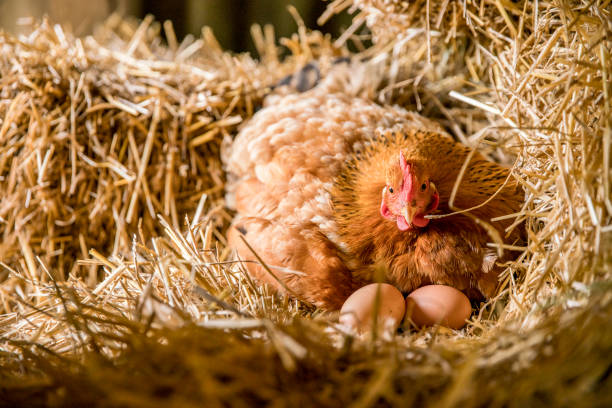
{"x": 378, "y": 302}
{"x": 438, "y": 304}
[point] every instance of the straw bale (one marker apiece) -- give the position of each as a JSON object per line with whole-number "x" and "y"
{"x": 101, "y": 134}
{"x": 158, "y": 312}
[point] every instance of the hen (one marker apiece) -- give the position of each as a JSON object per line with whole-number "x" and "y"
{"x": 332, "y": 191}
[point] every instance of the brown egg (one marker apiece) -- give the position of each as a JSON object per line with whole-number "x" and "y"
{"x": 438, "y": 304}
{"x": 378, "y": 301}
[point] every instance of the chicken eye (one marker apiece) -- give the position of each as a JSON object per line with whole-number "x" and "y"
{"x": 391, "y": 190}
{"x": 423, "y": 186}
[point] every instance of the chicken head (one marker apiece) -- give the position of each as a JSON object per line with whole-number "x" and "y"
{"x": 408, "y": 196}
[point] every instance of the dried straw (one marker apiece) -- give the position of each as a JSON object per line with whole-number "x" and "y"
{"x": 118, "y": 288}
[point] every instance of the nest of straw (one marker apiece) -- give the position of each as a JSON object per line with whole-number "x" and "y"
{"x": 117, "y": 288}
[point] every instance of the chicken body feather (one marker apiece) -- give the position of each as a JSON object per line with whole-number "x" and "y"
{"x": 305, "y": 176}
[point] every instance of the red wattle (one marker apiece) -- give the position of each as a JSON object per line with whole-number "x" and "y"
{"x": 402, "y": 225}
{"x": 420, "y": 221}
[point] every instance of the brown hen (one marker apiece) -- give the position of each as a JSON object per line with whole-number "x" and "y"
{"x": 332, "y": 189}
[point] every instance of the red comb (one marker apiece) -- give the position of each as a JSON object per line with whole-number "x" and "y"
{"x": 406, "y": 192}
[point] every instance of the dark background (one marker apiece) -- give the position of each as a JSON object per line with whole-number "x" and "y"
{"x": 230, "y": 19}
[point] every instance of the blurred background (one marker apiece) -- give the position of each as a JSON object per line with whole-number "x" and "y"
{"x": 230, "y": 19}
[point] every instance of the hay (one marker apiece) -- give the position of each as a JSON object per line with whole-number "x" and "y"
{"x": 106, "y": 304}
{"x": 97, "y": 137}
{"x": 232, "y": 364}
{"x": 534, "y": 80}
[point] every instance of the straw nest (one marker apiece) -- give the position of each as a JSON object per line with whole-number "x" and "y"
{"x": 117, "y": 288}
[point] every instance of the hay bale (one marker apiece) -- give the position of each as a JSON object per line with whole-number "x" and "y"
{"x": 528, "y": 84}
{"x": 99, "y": 135}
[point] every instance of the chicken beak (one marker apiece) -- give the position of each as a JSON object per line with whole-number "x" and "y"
{"x": 408, "y": 213}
